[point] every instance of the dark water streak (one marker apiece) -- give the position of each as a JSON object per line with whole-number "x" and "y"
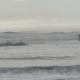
{"x": 41, "y": 58}
{"x": 54, "y": 69}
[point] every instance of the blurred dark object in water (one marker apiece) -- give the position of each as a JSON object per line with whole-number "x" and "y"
{"x": 13, "y": 44}
{"x": 79, "y": 37}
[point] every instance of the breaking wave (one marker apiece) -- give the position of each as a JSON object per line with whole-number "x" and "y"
{"x": 54, "y": 69}
{"x": 41, "y": 58}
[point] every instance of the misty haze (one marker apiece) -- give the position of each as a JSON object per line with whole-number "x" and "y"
{"x": 39, "y": 40}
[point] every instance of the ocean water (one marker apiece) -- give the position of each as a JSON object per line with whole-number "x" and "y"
{"x": 49, "y": 61}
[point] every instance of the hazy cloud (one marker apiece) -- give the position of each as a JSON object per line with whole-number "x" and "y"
{"x": 40, "y": 13}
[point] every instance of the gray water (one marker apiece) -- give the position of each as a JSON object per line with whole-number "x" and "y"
{"x": 50, "y": 61}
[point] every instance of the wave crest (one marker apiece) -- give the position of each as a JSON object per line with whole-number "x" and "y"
{"x": 59, "y": 69}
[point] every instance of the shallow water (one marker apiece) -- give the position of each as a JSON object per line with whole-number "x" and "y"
{"x": 52, "y": 61}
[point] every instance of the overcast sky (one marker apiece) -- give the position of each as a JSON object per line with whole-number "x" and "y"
{"x": 39, "y": 15}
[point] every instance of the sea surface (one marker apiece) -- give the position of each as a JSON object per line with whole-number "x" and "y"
{"x": 59, "y": 60}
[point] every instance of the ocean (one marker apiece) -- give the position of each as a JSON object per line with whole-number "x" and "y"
{"x": 59, "y": 60}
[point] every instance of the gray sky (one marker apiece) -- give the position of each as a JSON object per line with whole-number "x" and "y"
{"x": 41, "y": 15}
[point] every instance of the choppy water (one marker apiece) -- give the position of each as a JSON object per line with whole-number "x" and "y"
{"x": 56, "y": 61}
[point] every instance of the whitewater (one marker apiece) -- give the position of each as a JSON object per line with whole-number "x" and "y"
{"x": 59, "y": 60}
